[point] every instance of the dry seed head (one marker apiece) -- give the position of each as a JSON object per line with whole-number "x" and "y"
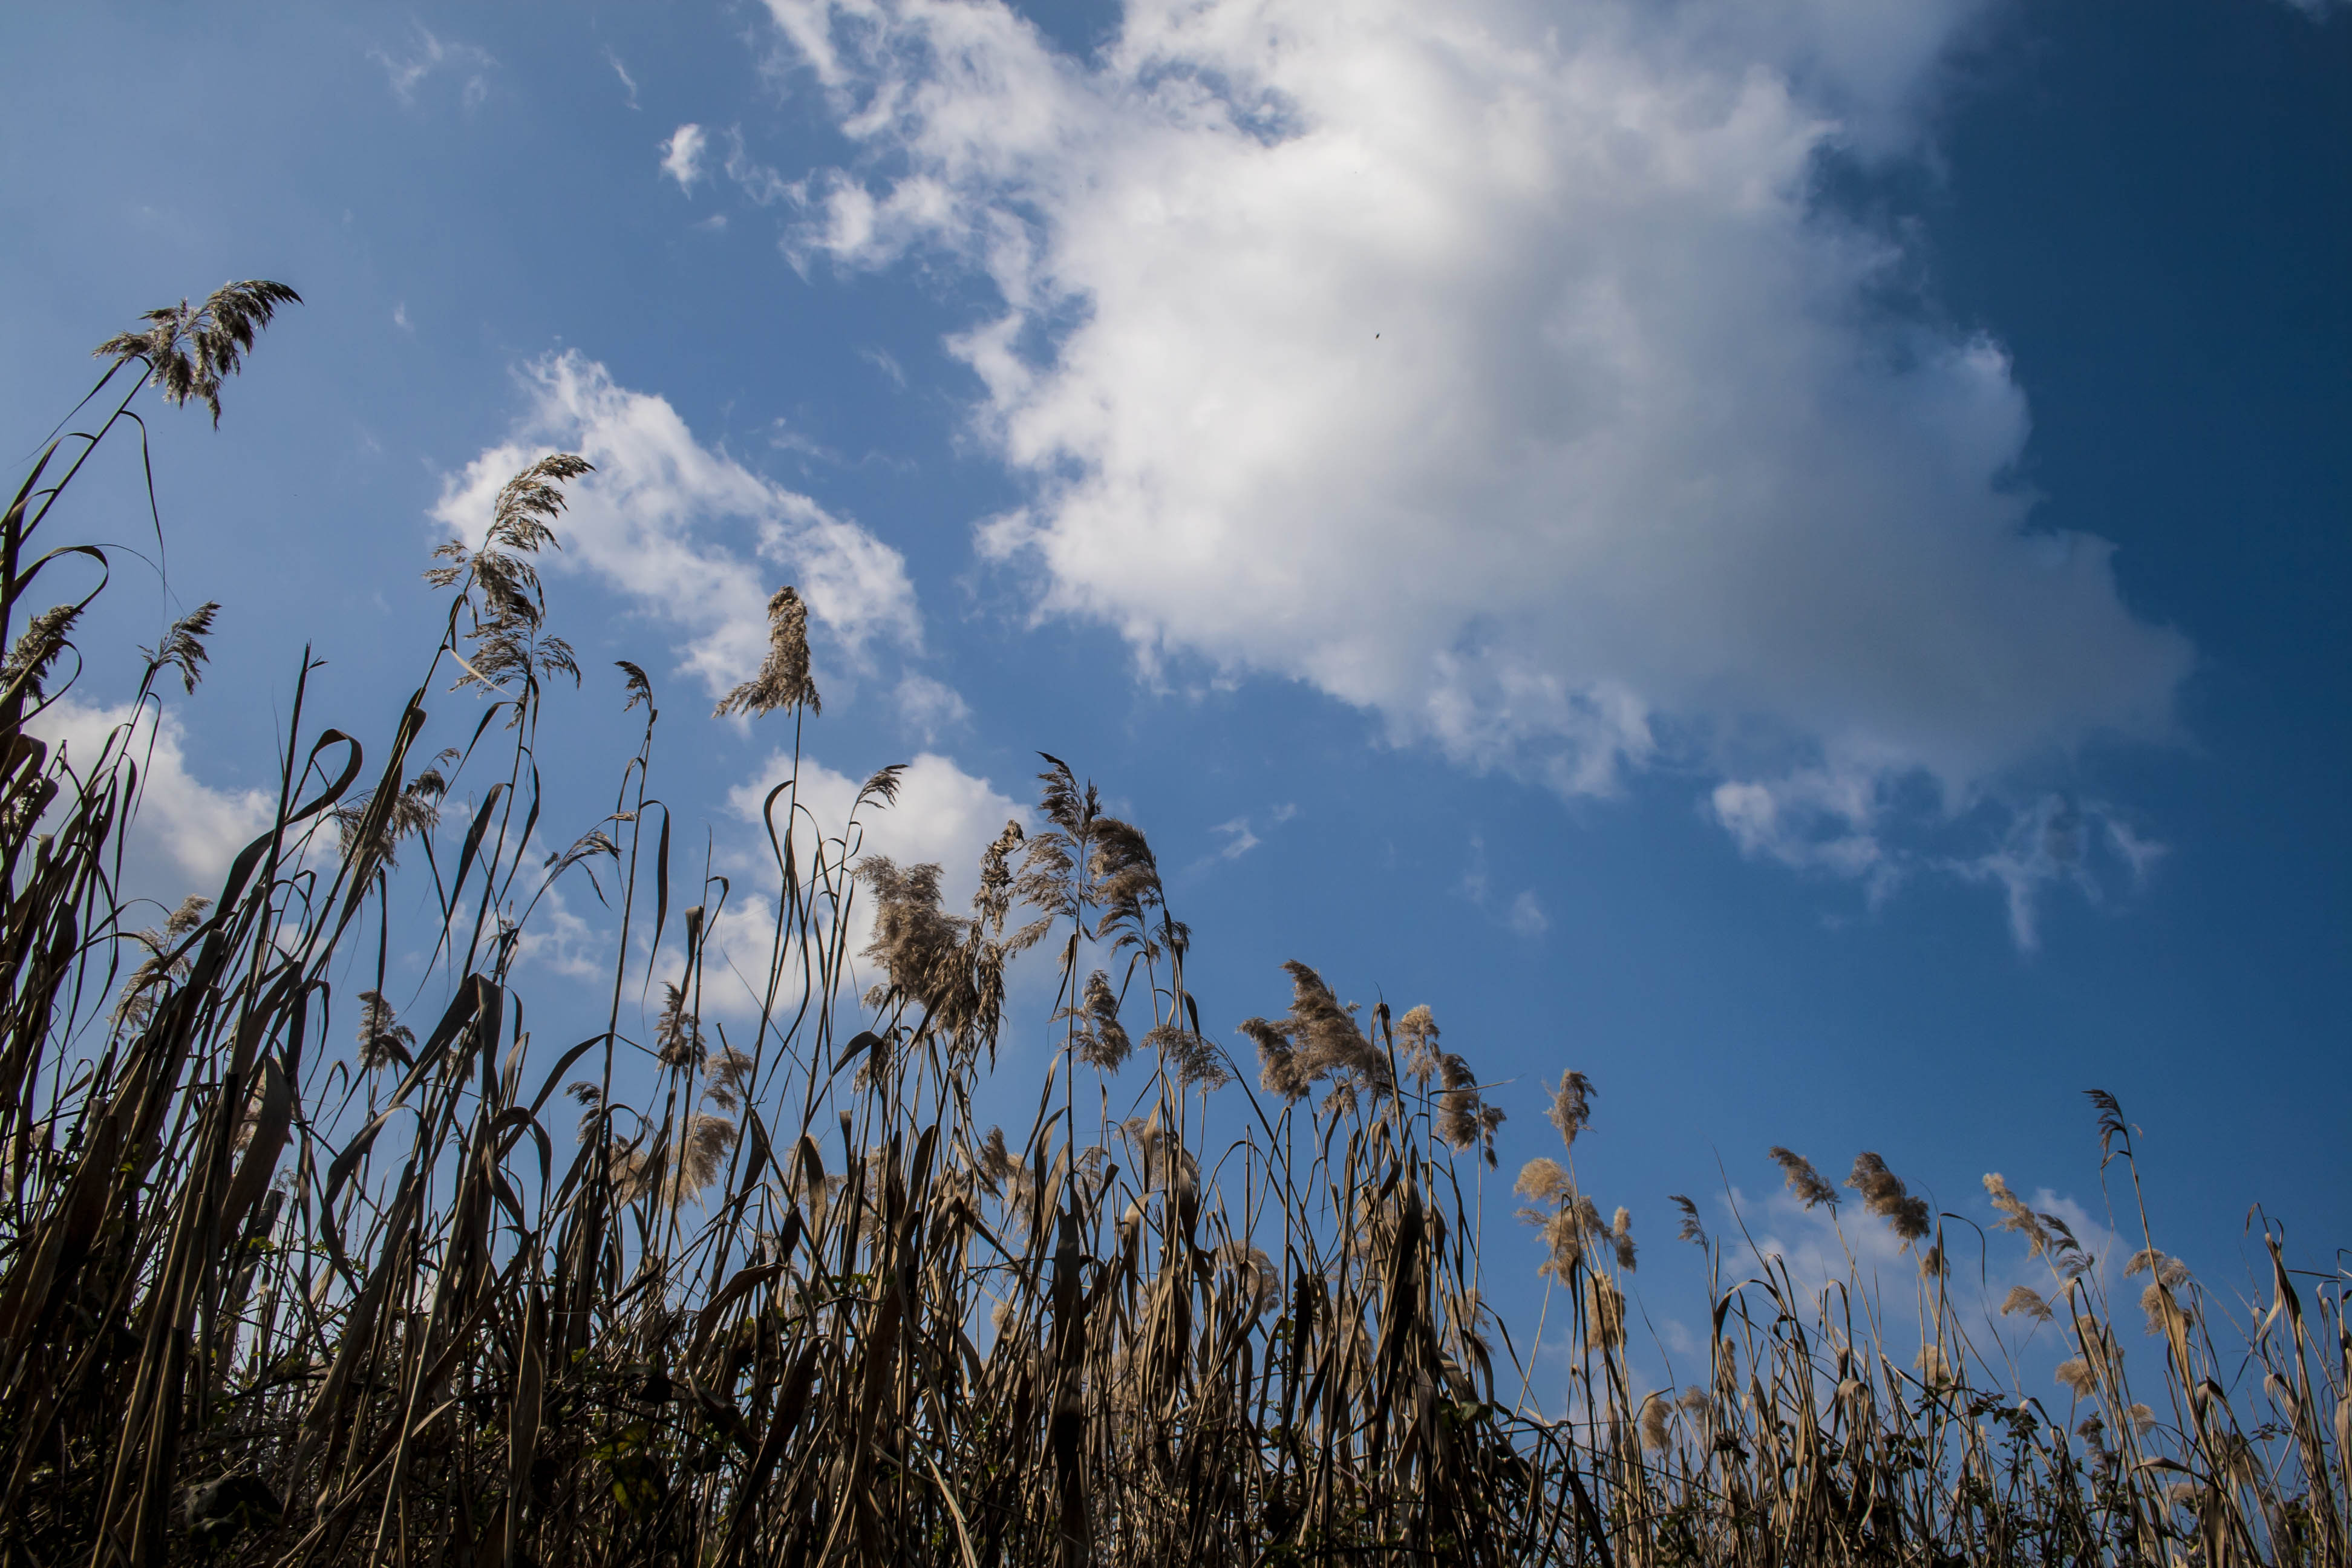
{"x": 1606, "y": 1304}
{"x": 37, "y": 648}
{"x": 183, "y": 647}
{"x": 1657, "y": 1410}
{"x": 189, "y": 352}
{"x": 2076, "y": 1374}
{"x": 2022, "y": 1300}
{"x": 1572, "y": 1107}
{"x": 2016, "y": 1216}
{"x": 384, "y": 1039}
{"x": 1102, "y": 1042}
{"x": 1193, "y": 1060}
{"x": 1934, "y": 1365}
{"x": 784, "y": 679}
{"x": 1543, "y": 1180}
{"x": 2142, "y": 1262}
{"x": 1417, "y": 1033}
{"x": 678, "y": 1033}
{"x": 2142, "y": 1418}
{"x": 2163, "y": 1309}
{"x": 1885, "y": 1197}
{"x": 1621, "y": 1237}
{"x": 1803, "y": 1180}
{"x": 708, "y": 1141}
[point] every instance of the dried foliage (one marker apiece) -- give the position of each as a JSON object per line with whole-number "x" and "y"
{"x": 793, "y": 1304}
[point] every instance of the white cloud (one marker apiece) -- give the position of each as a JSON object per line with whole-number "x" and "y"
{"x": 682, "y": 155}
{"x": 627, "y": 81}
{"x": 660, "y": 520}
{"x": 1521, "y": 328}
{"x": 186, "y": 832}
{"x": 1239, "y": 839}
{"x": 2057, "y": 840}
{"x": 433, "y": 54}
{"x": 1526, "y": 916}
{"x": 930, "y": 707}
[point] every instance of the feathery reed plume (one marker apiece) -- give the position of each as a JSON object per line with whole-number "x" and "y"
{"x": 1692, "y": 1231}
{"x": 414, "y": 811}
{"x": 634, "y": 682}
{"x": 1885, "y": 1196}
{"x": 2017, "y": 1217}
{"x": 1572, "y": 1107}
{"x": 383, "y": 1038}
{"x": 1195, "y": 1062}
{"x": 188, "y": 352}
{"x": 1464, "y": 1120}
{"x": 183, "y": 647}
{"x": 1657, "y": 1412}
{"x": 1812, "y": 1190}
{"x": 1621, "y": 1237}
{"x": 1606, "y": 1304}
{"x": 784, "y": 679}
{"x": 2112, "y": 1124}
{"x": 508, "y": 623}
{"x": 1279, "y": 1066}
{"x": 1318, "y": 1042}
{"x": 1417, "y": 1032}
{"x": 37, "y": 646}
{"x": 166, "y": 964}
{"x": 1102, "y": 1040}
{"x": 935, "y": 960}
{"x": 678, "y": 1033}
{"x": 2074, "y": 1372}
{"x": 2022, "y": 1298}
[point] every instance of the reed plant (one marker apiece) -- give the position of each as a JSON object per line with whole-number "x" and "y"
{"x": 290, "y": 1274}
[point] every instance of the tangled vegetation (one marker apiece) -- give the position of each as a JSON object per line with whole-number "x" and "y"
{"x": 285, "y": 1277}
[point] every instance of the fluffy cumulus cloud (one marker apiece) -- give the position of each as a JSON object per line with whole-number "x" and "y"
{"x": 186, "y": 831}
{"x": 1495, "y": 367}
{"x": 688, "y": 532}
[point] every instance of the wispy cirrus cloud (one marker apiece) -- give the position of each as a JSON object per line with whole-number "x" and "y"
{"x": 431, "y": 55}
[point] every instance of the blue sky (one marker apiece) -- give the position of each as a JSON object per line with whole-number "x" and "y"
{"x": 1789, "y": 555}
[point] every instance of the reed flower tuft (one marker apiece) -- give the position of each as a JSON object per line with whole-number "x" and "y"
{"x": 784, "y": 679}
{"x": 1692, "y": 1231}
{"x": 37, "y": 646}
{"x": 183, "y": 647}
{"x": 1883, "y": 1194}
{"x": 383, "y": 1038}
{"x": 1812, "y": 1190}
{"x": 189, "y": 352}
{"x": 1571, "y": 1106}
{"x": 2021, "y": 1299}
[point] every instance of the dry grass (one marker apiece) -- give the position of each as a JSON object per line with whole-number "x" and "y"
{"x": 283, "y": 1280}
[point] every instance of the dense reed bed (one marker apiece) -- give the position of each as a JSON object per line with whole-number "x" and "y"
{"x": 286, "y": 1276}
